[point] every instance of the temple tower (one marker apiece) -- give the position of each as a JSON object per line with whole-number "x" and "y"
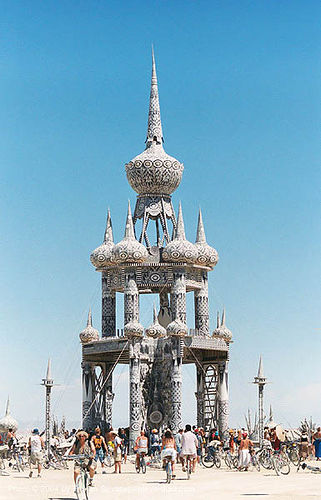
{"x": 260, "y": 380}
{"x": 155, "y": 257}
{"x": 48, "y": 383}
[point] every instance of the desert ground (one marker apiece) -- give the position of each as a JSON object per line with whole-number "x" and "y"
{"x": 205, "y": 484}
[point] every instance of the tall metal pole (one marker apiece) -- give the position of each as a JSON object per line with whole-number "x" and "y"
{"x": 261, "y": 381}
{"x": 48, "y": 383}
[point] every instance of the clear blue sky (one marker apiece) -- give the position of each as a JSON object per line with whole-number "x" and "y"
{"x": 239, "y": 86}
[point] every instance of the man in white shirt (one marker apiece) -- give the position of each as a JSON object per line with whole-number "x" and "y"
{"x": 189, "y": 447}
{"x": 36, "y": 446}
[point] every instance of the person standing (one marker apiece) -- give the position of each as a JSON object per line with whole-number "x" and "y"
{"x": 317, "y": 443}
{"x": 36, "y": 446}
{"x": 244, "y": 456}
{"x": 178, "y": 442}
{"x": 124, "y": 443}
{"x": 100, "y": 447}
{"x": 117, "y": 451}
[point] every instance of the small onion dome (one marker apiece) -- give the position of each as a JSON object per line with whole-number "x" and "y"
{"x": 133, "y": 329}
{"x": 221, "y": 329}
{"x": 177, "y": 328}
{"x": 155, "y": 330}
{"x": 206, "y": 255}
{"x": 8, "y": 422}
{"x": 101, "y": 256}
{"x": 179, "y": 249}
{"x": 129, "y": 249}
{"x": 89, "y": 334}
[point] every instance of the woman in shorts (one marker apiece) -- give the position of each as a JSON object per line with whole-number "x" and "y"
{"x": 168, "y": 449}
{"x": 83, "y": 447}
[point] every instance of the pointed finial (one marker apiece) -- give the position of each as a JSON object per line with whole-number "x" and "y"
{"x": 260, "y": 370}
{"x": 129, "y": 229}
{"x": 180, "y": 230}
{"x": 89, "y": 319}
{"x": 48, "y": 376}
{"x": 271, "y": 414}
{"x": 154, "y": 128}
{"x": 108, "y": 237}
{"x": 8, "y": 407}
{"x": 223, "y": 318}
{"x": 200, "y": 234}
{"x": 155, "y": 319}
{"x": 218, "y": 319}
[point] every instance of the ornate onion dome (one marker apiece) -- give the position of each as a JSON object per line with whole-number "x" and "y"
{"x": 133, "y": 329}
{"x": 89, "y": 334}
{"x": 8, "y": 422}
{"x": 221, "y": 330}
{"x": 206, "y": 255}
{"x": 101, "y": 256}
{"x": 179, "y": 249}
{"x": 178, "y": 328}
{"x": 155, "y": 330}
{"x": 154, "y": 171}
{"x": 129, "y": 249}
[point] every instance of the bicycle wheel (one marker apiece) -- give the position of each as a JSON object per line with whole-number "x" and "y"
{"x": 208, "y": 460}
{"x": 235, "y": 462}
{"x": 168, "y": 472}
{"x": 284, "y": 467}
{"x": 81, "y": 487}
{"x": 2, "y": 465}
{"x": 228, "y": 461}
{"x": 188, "y": 469}
{"x": 276, "y": 465}
{"x": 256, "y": 463}
{"x": 265, "y": 460}
{"x": 294, "y": 457}
{"x": 217, "y": 461}
{"x": 143, "y": 466}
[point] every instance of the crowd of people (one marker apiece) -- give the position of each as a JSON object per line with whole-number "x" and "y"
{"x": 191, "y": 442}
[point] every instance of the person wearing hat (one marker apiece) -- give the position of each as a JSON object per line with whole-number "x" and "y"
{"x": 83, "y": 447}
{"x": 36, "y": 446}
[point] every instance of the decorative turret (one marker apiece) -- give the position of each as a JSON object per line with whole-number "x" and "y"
{"x": 101, "y": 256}
{"x": 89, "y": 334}
{"x": 180, "y": 249}
{"x": 154, "y": 171}
{"x": 129, "y": 249}
{"x": 155, "y": 330}
{"x": 260, "y": 378}
{"x": 8, "y": 422}
{"x": 206, "y": 255}
{"x": 221, "y": 330}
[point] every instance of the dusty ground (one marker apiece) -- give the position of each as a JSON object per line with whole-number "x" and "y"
{"x": 204, "y": 484}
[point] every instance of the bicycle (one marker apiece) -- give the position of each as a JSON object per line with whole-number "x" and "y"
{"x": 211, "y": 457}
{"x": 15, "y": 459}
{"x": 230, "y": 461}
{"x": 82, "y": 481}
{"x": 142, "y": 464}
{"x": 255, "y": 462}
{"x": 280, "y": 464}
{"x": 291, "y": 448}
{"x": 304, "y": 466}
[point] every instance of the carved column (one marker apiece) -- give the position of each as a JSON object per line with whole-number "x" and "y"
{"x": 135, "y": 392}
{"x": 131, "y": 300}
{"x": 223, "y": 401}
{"x": 200, "y": 401}
{"x": 178, "y": 296}
{"x": 176, "y": 385}
{"x": 108, "y": 322}
{"x": 201, "y": 308}
{"x": 87, "y": 395}
{"x": 108, "y": 395}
